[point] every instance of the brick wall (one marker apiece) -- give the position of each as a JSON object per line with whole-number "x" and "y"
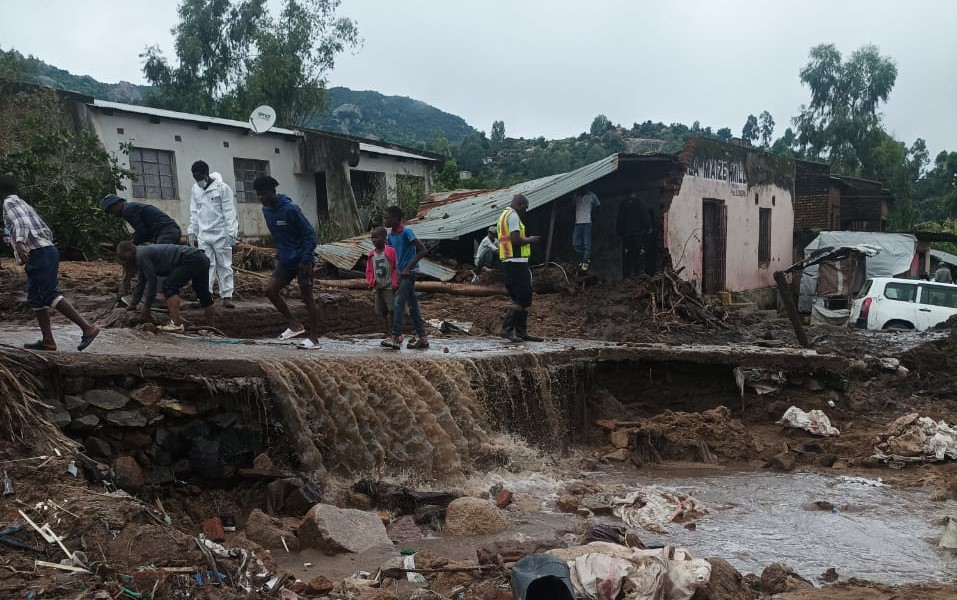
{"x": 814, "y": 207}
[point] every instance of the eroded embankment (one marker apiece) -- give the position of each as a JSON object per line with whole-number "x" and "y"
{"x": 183, "y": 414}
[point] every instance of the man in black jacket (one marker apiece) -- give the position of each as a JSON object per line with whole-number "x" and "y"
{"x": 150, "y": 225}
{"x": 177, "y": 265}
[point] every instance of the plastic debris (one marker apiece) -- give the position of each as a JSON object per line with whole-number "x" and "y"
{"x": 814, "y": 422}
{"x": 862, "y": 481}
{"x": 652, "y": 508}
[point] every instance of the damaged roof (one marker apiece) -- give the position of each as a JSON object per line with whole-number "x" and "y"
{"x": 450, "y": 215}
{"x": 462, "y": 212}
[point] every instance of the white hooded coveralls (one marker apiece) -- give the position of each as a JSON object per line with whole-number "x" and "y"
{"x": 212, "y": 219}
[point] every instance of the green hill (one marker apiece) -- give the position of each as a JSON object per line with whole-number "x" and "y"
{"x": 395, "y": 119}
{"x": 367, "y": 114}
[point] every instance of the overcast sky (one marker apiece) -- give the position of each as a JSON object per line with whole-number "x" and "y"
{"x": 548, "y": 67}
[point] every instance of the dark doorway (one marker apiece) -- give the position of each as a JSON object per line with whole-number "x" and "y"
{"x": 714, "y": 242}
{"x": 322, "y": 197}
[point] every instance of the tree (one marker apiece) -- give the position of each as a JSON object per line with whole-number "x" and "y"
{"x": 600, "y": 125}
{"x": 232, "y": 55}
{"x": 498, "y": 134}
{"x": 842, "y": 122}
{"x": 766, "y": 128}
{"x": 62, "y": 172}
{"x": 724, "y": 134}
{"x": 750, "y": 130}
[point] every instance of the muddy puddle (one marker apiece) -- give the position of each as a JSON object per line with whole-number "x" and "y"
{"x": 881, "y": 534}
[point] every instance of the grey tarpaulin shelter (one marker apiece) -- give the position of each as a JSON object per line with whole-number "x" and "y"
{"x": 895, "y": 258}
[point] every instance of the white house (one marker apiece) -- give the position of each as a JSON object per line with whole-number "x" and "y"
{"x": 330, "y": 176}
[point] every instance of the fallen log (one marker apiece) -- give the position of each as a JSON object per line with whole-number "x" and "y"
{"x": 458, "y": 289}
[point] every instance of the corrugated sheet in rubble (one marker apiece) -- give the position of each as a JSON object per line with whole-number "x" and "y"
{"x": 344, "y": 254}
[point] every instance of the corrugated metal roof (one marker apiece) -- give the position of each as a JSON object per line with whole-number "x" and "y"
{"x": 476, "y": 212}
{"x": 945, "y": 257}
{"x": 171, "y": 114}
{"x": 375, "y": 149}
{"x": 344, "y": 254}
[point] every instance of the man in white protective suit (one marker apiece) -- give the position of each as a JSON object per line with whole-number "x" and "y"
{"x": 213, "y": 227}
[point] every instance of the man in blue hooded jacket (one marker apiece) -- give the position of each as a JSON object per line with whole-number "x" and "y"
{"x": 295, "y": 240}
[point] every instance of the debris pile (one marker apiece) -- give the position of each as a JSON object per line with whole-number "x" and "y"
{"x": 814, "y": 422}
{"x": 698, "y": 437}
{"x": 913, "y": 438}
{"x": 667, "y": 298}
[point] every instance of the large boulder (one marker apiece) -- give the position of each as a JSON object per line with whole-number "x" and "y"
{"x": 778, "y": 578}
{"x": 473, "y": 516}
{"x": 335, "y": 530}
{"x": 726, "y": 583}
{"x": 106, "y": 399}
{"x": 269, "y": 532}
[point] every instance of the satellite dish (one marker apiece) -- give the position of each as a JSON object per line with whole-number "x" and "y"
{"x": 262, "y": 119}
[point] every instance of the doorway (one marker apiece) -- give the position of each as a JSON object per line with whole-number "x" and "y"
{"x": 714, "y": 243}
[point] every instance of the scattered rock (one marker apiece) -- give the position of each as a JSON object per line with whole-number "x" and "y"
{"x": 619, "y": 438}
{"x": 318, "y": 586}
{"x": 404, "y": 529}
{"x": 473, "y": 516}
{"x": 568, "y": 503}
{"x": 619, "y": 455}
{"x": 779, "y": 578}
{"x": 106, "y": 399}
{"x": 177, "y": 408}
{"x": 333, "y": 530}
{"x": 269, "y": 532}
{"x": 827, "y": 460}
{"x": 823, "y": 505}
{"x": 126, "y": 418}
{"x": 161, "y": 476}
{"x": 726, "y": 583}
{"x": 908, "y": 444}
{"x": 829, "y": 576}
{"x": 263, "y": 462}
{"x": 148, "y": 395}
{"x": 85, "y": 423}
{"x": 128, "y": 474}
{"x": 73, "y": 402}
{"x": 60, "y": 418}
{"x": 889, "y": 364}
{"x": 213, "y": 529}
{"x": 503, "y": 498}
{"x": 138, "y": 439}
{"x": 870, "y": 462}
{"x": 98, "y": 448}
{"x": 783, "y": 462}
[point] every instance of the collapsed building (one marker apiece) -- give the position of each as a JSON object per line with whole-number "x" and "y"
{"x": 720, "y": 214}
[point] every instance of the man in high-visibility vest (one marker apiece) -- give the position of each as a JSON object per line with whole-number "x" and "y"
{"x": 514, "y": 248}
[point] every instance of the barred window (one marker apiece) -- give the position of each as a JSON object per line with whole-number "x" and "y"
{"x": 155, "y": 174}
{"x": 247, "y": 170}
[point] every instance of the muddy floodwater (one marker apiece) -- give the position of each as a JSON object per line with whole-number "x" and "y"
{"x": 881, "y": 534}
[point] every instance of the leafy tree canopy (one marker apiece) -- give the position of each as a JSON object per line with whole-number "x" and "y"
{"x": 234, "y": 55}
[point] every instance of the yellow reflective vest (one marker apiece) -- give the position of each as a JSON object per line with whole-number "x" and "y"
{"x": 505, "y": 249}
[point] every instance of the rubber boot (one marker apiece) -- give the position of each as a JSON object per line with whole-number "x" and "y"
{"x": 521, "y": 324}
{"x": 508, "y": 326}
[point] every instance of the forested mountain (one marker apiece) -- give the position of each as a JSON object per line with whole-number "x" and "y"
{"x": 396, "y": 119}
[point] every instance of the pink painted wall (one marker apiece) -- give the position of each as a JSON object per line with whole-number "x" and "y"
{"x": 742, "y": 271}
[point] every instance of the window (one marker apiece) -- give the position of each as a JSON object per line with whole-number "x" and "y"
{"x": 938, "y": 296}
{"x": 247, "y": 170}
{"x": 905, "y": 292}
{"x": 764, "y": 236}
{"x": 155, "y": 174}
